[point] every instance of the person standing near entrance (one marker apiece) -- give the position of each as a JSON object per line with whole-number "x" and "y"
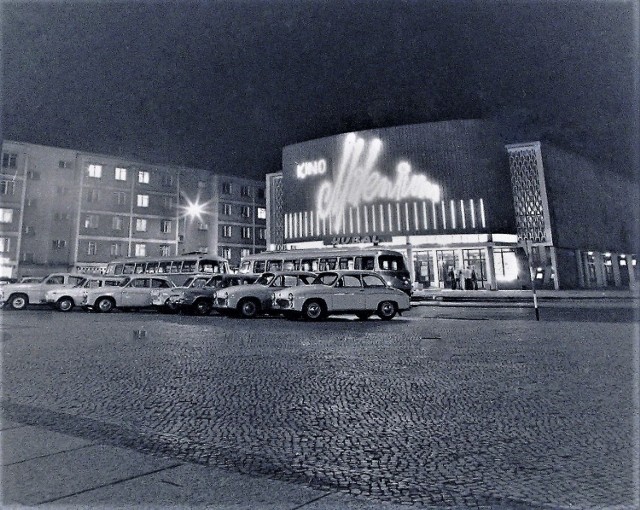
{"x": 460, "y": 280}
{"x": 468, "y": 284}
{"x": 474, "y": 278}
{"x": 452, "y": 278}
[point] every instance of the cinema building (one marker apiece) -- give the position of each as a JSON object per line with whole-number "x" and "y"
{"x": 452, "y": 195}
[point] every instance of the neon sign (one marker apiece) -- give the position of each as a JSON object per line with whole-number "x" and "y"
{"x": 309, "y": 168}
{"x": 358, "y": 181}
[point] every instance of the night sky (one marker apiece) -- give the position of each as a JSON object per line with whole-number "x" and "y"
{"x": 225, "y": 85}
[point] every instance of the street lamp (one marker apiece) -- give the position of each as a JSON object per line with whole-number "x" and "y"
{"x": 191, "y": 210}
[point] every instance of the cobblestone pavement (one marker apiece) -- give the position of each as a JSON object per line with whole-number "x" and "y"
{"x": 428, "y": 409}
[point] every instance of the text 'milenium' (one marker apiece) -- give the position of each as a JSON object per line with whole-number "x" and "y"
{"x": 359, "y": 181}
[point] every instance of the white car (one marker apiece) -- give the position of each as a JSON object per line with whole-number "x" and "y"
{"x": 64, "y": 299}
{"x": 19, "y": 295}
{"x": 162, "y": 301}
{"x": 251, "y": 300}
{"x": 135, "y": 292}
{"x": 362, "y": 293}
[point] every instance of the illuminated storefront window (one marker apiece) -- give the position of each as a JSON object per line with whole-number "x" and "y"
{"x": 506, "y": 265}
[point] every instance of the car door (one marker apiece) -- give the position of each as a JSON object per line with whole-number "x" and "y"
{"x": 136, "y": 293}
{"x": 374, "y": 290}
{"x": 348, "y": 293}
{"x": 52, "y": 282}
{"x": 158, "y": 286}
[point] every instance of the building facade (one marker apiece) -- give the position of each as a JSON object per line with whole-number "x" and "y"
{"x": 451, "y": 196}
{"x": 64, "y": 209}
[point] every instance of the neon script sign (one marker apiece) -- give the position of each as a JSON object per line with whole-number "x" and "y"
{"x": 358, "y": 181}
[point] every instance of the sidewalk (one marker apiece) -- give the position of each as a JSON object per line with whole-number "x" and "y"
{"x": 44, "y": 468}
{"x": 448, "y": 295}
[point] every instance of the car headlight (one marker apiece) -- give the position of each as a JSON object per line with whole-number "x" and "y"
{"x": 290, "y": 296}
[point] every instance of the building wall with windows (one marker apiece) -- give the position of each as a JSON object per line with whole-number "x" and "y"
{"x": 64, "y": 209}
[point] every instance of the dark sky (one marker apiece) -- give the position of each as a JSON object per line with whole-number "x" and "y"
{"x": 225, "y": 85}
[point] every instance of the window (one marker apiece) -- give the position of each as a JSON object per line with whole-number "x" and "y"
{"x": 226, "y": 209}
{"x": 225, "y": 253}
{"x": 94, "y": 171}
{"x": 226, "y": 188}
{"x": 93, "y": 195}
{"x": 168, "y": 202}
{"x": 245, "y": 191}
{"x": 5, "y": 244}
{"x": 366, "y": 263}
{"x": 120, "y": 197}
{"x": 370, "y": 280}
{"x": 226, "y": 231}
{"x": 116, "y": 223}
{"x": 116, "y": 250}
{"x": 9, "y": 160}
{"x": 33, "y": 175}
{"x": 165, "y": 250}
{"x": 349, "y": 281}
{"x": 159, "y": 284}
{"x": 121, "y": 174}
{"x": 141, "y": 225}
{"x": 262, "y": 234}
{"x": 143, "y": 177}
{"x": 260, "y": 192}
{"x": 91, "y": 221}
{"x": 245, "y": 252}
{"x": 92, "y": 248}
{"x": 141, "y": 250}
{"x": 246, "y": 211}
{"x": 58, "y": 244}
{"x": 7, "y": 187}
{"x": 6, "y": 215}
{"x": 262, "y": 213}
{"x": 165, "y": 226}
{"x": 65, "y": 164}
{"x": 246, "y": 232}
{"x": 167, "y": 180}
{"x": 203, "y": 226}
{"x": 143, "y": 200}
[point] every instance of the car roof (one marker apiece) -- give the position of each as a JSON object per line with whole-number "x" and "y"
{"x": 354, "y": 272}
{"x": 290, "y": 273}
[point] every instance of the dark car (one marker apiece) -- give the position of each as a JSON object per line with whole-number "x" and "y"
{"x": 200, "y": 300}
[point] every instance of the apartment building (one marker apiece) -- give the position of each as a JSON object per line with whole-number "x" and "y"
{"x": 64, "y": 209}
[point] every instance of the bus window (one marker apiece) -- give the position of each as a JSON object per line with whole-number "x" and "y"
{"x": 245, "y": 267}
{"x": 274, "y": 265}
{"x": 164, "y": 266}
{"x": 152, "y": 267}
{"x": 118, "y": 269}
{"x": 290, "y": 265}
{"x": 309, "y": 264}
{"x": 366, "y": 263}
{"x": 346, "y": 262}
{"x": 259, "y": 266}
{"x": 391, "y": 262}
{"x": 139, "y": 267}
{"x": 128, "y": 268}
{"x": 327, "y": 264}
{"x": 188, "y": 266}
{"x": 208, "y": 266}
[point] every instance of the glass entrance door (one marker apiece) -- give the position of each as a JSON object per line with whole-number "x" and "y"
{"x": 447, "y": 263}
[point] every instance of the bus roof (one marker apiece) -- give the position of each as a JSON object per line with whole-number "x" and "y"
{"x": 319, "y": 252}
{"x": 192, "y": 256}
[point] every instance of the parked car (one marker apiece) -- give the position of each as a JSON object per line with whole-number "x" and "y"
{"x": 19, "y": 295}
{"x": 135, "y": 292}
{"x": 362, "y": 293}
{"x": 251, "y": 300}
{"x": 64, "y": 299}
{"x": 199, "y": 300}
{"x": 161, "y": 301}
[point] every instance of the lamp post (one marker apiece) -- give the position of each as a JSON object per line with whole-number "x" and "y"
{"x": 190, "y": 210}
{"x": 527, "y": 250}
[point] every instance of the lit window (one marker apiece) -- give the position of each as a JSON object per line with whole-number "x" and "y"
{"x": 226, "y": 231}
{"x": 121, "y": 174}
{"x": 141, "y": 250}
{"x": 246, "y": 232}
{"x": 143, "y": 177}
{"x": 143, "y": 200}
{"x": 262, "y": 213}
{"x": 5, "y": 244}
{"x": 6, "y": 215}
{"x": 165, "y": 226}
{"x": 7, "y": 187}
{"x": 92, "y": 248}
{"x": 245, "y": 252}
{"x": 9, "y": 160}
{"x": 95, "y": 171}
{"x": 141, "y": 225}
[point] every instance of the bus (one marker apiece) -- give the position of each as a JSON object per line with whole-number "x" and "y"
{"x": 178, "y": 268}
{"x": 389, "y": 264}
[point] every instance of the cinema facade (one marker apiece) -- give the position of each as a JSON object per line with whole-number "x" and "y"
{"x": 451, "y": 195}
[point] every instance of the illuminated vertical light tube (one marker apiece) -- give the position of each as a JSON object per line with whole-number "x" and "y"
{"x": 464, "y": 218}
{"x": 452, "y": 209}
{"x": 286, "y": 225}
{"x": 389, "y": 218}
{"x": 344, "y": 224}
{"x": 398, "y": 219}
{"x": 444, "y": 216}
{"x": 406, "y": 215}
{"x": 324, "y": 226}
{"x": 373, "y": 217}
{"x": 305, "y": 231}
{"x": 330, "y": 226}
{"x": 482, "y": 221}
{"x": 435, "y": 217}
{"x": 424, "y": 215}
{"x": 415, "y": 216}
{"x": 358, "y": 219}
{"x": 366, "y": 220}
{"x": 301, "y": 223}
{"x": 294, "y": 223}
{"x": 381, "y": 218}
{"x": 351, "y": 220}
{"x": 473, "y": 213}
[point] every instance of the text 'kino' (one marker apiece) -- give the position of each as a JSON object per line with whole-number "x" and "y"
{"x": 309, "y": 168}
{"x": 358, "y": 181}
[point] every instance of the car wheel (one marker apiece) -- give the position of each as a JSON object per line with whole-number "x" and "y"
{"x": 202, "y": 307}
{"x": 18, "y": 302}
{"x": 65, "y": 304}
{"x": 104, "y": 305}
{"x": 314, "y": 310}
{"x": 363, "y": 316}
{"x": 248, "y": 308}
{"x": 387, "y": 310}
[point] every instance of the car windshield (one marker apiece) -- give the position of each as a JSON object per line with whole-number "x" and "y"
{"x": 82, "y": 282}
{"x": 214, "y": 282}
{"x": 325, "y": 279}
{"x": 265, "y": 279}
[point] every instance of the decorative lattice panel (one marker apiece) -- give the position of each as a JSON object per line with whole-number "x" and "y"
{"x": 527, "y": 194}
{"x": 276, "y": 215}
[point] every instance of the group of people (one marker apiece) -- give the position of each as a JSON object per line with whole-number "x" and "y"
{"x": 463, "y": 279}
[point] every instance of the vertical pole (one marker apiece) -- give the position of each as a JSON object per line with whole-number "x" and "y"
{"x": 527, "y": 249}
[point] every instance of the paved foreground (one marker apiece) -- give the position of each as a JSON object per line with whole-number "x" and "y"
{"x": 429, "y": 409}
